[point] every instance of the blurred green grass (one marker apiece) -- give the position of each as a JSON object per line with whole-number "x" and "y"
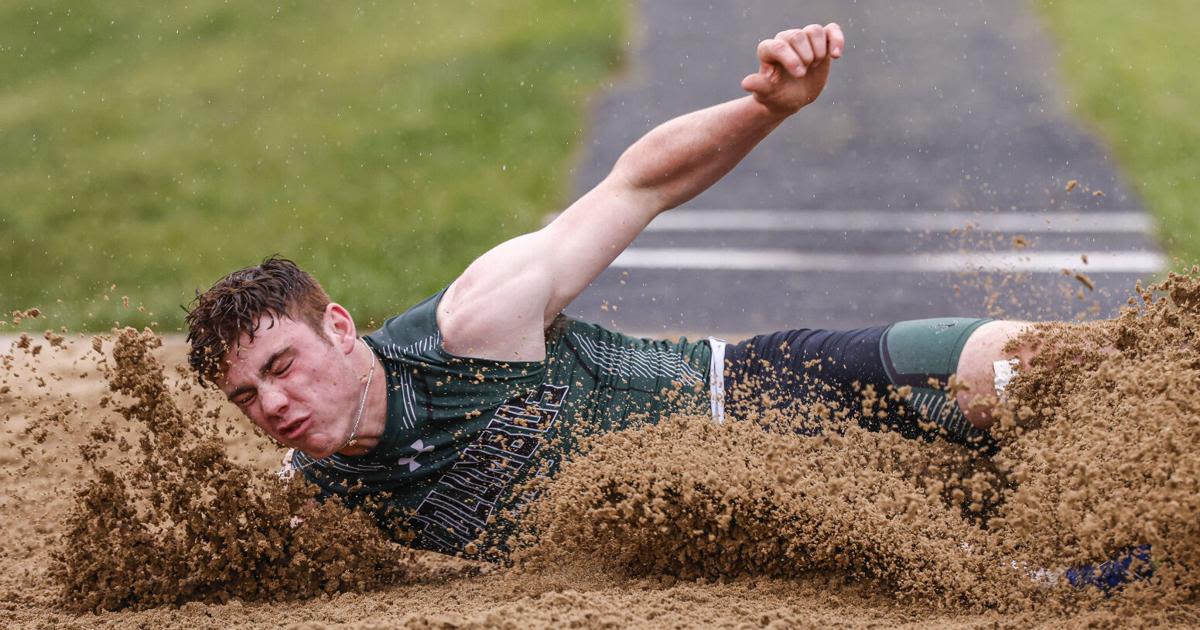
{"x": 157, "y": 146}
{"x": 1130, "y": 70}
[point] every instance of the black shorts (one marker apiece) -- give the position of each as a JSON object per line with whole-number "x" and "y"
{"x": 788, "y": 371}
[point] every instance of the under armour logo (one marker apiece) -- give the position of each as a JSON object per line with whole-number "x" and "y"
{"x": 412, "y": 462}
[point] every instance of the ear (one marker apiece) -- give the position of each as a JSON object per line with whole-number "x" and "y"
{"x": 339, "y": 327}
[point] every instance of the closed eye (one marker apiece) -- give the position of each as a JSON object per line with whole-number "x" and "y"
{"x": 281, "y": 370}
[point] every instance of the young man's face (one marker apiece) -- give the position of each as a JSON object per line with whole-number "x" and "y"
{"x": 297, "y": 384}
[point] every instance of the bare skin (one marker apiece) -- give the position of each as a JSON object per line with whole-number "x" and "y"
{"x": 975, "y": 367}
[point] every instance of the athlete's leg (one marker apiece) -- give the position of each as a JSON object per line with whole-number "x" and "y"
{"x": 802, "y": 373}
{"x": 914, "y": 360}
{"x": 835, "y": 370}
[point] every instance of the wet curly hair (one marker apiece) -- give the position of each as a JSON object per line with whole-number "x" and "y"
{"x": 234, "y": 305}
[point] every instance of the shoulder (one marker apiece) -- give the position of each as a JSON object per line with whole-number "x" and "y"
{"x": 415, "y": 327}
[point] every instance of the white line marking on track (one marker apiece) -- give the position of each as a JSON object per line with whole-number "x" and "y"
{"x": 1136, "y": 261}
{"x": 900, "y": 220}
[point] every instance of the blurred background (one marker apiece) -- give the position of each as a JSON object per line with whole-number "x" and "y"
{"x": 146, "y": 149}
{"x": 156, "y": 146}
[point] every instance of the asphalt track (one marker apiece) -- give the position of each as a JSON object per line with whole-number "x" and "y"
{"x": 928, "y": 180}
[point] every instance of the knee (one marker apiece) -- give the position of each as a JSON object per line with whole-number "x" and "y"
{"x": 989, "y": 344}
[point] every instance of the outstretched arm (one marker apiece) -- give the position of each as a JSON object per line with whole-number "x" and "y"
{"x": 500, "y": 306}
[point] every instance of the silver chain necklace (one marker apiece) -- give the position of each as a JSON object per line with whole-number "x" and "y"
{"x": 362, "y": 402}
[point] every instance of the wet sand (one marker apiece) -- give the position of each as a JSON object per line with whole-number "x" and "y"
{"x": 134, "y": 499}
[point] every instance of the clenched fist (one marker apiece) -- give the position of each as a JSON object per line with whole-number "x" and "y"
{"x": 794, "y": 65}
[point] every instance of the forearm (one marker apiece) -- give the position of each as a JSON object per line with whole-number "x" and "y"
{"x": 684, "y": 156}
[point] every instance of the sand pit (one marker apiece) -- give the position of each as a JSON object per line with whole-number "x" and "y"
{"x": 134, "y": 499}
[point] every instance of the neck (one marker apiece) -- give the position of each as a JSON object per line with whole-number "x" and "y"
{"x": 374, "y": 418}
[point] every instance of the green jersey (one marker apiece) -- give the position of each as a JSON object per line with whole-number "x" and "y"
{"x": 463, "y": 433}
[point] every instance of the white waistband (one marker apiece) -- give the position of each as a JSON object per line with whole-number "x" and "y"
{"x": 716, "y": 379}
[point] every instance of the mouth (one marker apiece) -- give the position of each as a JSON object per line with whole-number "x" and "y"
{"x": 293, "y": 429}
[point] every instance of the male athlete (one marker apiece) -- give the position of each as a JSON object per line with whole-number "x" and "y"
{"x": 439, "y": 414}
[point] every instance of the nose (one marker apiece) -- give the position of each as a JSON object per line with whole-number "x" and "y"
{"x": 274, "y": 403}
